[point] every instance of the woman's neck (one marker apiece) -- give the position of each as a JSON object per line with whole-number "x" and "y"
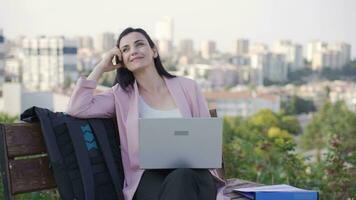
{"x": 149, "y": 81}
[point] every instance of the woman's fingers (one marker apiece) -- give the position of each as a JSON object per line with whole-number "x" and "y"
{"x": 117, "y": 53}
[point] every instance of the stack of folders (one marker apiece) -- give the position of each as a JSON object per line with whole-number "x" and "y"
{"x": 278, "y": 192}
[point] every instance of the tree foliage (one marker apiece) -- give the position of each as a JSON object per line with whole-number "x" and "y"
{"x": 297, "y": 105}
{"x": 261, "y": 148}
{"x": 6, "y": 118}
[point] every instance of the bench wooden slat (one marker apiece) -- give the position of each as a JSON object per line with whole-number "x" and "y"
{"x": 29, "y": 175}
{"x": 23, "y": 139}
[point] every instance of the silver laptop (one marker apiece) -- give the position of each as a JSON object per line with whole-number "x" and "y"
{"x": 180, "y": 143}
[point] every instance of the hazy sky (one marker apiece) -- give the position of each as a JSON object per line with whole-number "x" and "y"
{"x": 220, "y": 20}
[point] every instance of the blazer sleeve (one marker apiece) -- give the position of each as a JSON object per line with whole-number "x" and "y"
{"x": 84, "y": 104}
{"x": 201, "y": 105}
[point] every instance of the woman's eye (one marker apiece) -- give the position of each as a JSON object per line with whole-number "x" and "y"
{"x": 124, "y": 50}
{"x": 139, "y": 44}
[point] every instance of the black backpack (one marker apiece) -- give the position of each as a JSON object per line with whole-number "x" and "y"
{"x": 84, "y": 154}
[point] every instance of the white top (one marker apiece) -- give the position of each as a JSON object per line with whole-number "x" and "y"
{"x": 146, "y": 111}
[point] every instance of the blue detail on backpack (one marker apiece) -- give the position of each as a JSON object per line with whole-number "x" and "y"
{"x": 89, "y": 137}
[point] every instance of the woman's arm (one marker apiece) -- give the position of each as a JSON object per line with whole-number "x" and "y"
{"x": 83, "y": 103}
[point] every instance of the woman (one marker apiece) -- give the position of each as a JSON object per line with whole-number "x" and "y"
{"x": 145, "y": 89}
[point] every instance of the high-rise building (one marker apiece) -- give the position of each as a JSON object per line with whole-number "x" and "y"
{"x": 207, "y": 49}
{"x": 242, "y": 46}
{"x": 48, "y": 62}
{"x": 293, "y": 53}
{"x": 2, "y": 45}
{"x": 272, "y": 67}
{"x": 85, "y": 42}
{"x": 13, "y": 70}
{"x": 345, "y": 52}
{"x": 325, "y": 55}
{"x": 105, "y": 41}
{"x": 165, "y": 48}
{"x": 258, "y": 63}
{"x": 259, "y": 48}
{"x": 315, "y": 47}
{"x": 2, "y": 56}
{"x": 186, "y": 47}
{"x": 164, "y": 36}
{"x": 277, "y": 68}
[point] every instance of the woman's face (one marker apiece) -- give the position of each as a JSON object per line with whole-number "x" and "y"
{"x": 136, "y": 51}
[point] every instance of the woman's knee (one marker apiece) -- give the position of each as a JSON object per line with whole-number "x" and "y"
{"x": 185, "y": 175}
{"x": 183, "y": 172}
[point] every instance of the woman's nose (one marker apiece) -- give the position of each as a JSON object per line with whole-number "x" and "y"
{"x": 133, "y": 51}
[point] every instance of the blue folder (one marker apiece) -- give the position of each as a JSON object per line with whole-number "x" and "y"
{"x": 278, "y": 192}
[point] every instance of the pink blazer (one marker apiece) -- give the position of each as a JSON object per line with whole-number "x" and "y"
{"x": 116, "y": 102}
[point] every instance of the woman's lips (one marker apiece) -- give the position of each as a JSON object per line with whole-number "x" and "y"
{"x": 137, "y": 58}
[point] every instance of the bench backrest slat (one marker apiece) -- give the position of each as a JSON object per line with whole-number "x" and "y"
{"x": 29, "y": 175}
{"x": 24, "y": 139}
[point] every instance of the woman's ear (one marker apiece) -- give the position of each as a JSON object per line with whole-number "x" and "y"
{"x": 155, "y": 52}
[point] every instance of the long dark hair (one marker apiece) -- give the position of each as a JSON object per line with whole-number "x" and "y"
{"x": 125, "y": 77}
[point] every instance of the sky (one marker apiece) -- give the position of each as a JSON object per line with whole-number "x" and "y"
{"x": 221, "y": 20}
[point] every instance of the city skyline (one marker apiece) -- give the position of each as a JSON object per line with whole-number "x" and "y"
{"x": 256, "y": 20}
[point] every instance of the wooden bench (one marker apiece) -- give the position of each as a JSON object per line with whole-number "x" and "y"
{"x": 25, "y": 165}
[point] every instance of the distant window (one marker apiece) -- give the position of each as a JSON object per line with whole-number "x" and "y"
{"x": 2, "y": 39}
{"x": 34, "y": 52}
{"x": 44, "y": 51}
{"x": 27, "y": 51}
{"x": 69, "y": 50}
{"x": 70, "y": 67}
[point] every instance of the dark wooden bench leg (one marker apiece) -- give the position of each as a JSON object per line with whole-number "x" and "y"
{"x": 4, "y": 166}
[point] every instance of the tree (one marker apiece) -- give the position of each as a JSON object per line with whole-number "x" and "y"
{"x": 297, "y": 105}
{"x": 107, "y": 79}
{"x": 333, "y": 128}
{"x": 67, "y": 82}
{"x": 337, "y": 165}
{"x": 6, "y": 118}
{"x": 332, "y": 118}
{"x": 296, "y": 77}
{"x": 258, "y": 148}
{"x": 290, "y": 124}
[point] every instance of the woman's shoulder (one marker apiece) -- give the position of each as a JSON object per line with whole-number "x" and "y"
{"x": 188, "y": 82}
{"x": 119, "y": 90}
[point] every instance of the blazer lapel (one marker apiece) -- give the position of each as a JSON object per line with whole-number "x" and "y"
{"x": 178, "y": 96}
{"x": 132, "y": 127}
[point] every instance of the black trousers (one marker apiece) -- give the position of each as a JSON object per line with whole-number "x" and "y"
{"x": 177, "y": 184}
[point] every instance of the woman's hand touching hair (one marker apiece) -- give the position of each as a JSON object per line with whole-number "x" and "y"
{"x": 112, "y": 60}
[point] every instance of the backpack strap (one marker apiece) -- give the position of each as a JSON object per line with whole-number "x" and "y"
{"x": 48, "y": 135}
{"x": 101, "y": 136}
{"x": 81, "y": 152}
{"x": 55, "y": 157}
